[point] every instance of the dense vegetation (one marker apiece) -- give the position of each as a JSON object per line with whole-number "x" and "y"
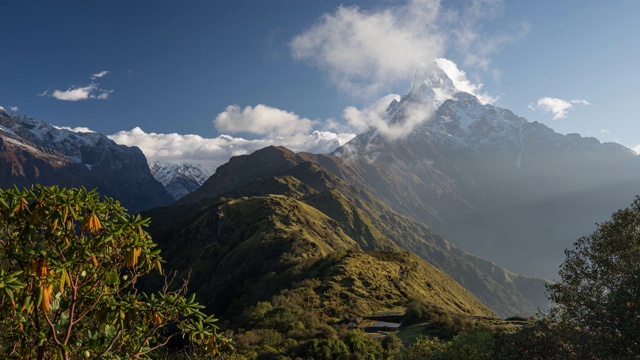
{"x": 289, "y": 281}
{"x": 69, "y": 267}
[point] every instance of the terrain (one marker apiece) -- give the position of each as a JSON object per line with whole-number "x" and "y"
{"x": 34, "y": 152}
{"x": 294, "y": 210}
{"x": 180, "y": 179}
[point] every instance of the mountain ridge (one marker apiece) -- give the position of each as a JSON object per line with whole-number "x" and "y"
{"x": 356, "y": 213}
{"x": 33, "y": 151}
{"x": 181, "y": 178}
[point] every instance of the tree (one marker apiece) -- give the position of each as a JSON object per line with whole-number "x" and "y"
{"x": 70, "y": 265}
{"x": 600, "y": 288}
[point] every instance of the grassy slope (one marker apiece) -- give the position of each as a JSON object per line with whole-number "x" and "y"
{"x": 253, "y": 248}
{"x": 369, "y": 283}
{"x": 349, "y": 214}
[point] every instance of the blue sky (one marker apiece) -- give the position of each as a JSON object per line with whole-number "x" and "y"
{"x": 263, "y": 72}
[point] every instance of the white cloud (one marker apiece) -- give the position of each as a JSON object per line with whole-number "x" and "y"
{"x": 213, "y": 152}
{"x": 365, "y": 52}
{"x": 272, "y": 125}
{"x": 78, "y": 93}
{"x": 376, "y": 116}
{"x": 99, "y": 74}
{"x": 79, "y": 129}
{"x": 90, "y": 91}
{"x": 605, "y": 131}
{"x": 580, "y": 102}
{"x": 557, "y": 107}
{"x": 372, "y": 116}
{"x": 261, "y": 120}
{"x": 461, "y": 82}
{"x": 14, "y": 108}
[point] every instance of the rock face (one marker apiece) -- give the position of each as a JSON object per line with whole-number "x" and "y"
{"x": 33, "y": 152}
{"x": 494, "y": 184}
{"x": 180, "y": 179}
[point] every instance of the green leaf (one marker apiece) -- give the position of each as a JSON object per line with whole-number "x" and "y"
{"x": 9, "y": 294}
{"x": 112, "y": 278}
{"x": 109, "y": 331}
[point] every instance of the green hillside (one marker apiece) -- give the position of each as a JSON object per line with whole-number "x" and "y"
{"x": 314, "y": 214}
{"x": 249, "y": 249}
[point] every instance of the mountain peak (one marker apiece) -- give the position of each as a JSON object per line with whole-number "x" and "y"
{"x": 431, "y": 75}
{"x": 431, "y": 84}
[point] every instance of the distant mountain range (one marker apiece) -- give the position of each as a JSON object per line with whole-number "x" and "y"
{"x": 32, "y": 151}
{"x": 180, "y": 179}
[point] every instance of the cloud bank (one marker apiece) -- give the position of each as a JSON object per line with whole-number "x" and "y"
{"x": 274, "y": 127}
{"x": 558, "y": 107}
{"x": 213, "y": 152}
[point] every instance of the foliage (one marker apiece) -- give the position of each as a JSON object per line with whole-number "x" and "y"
{"x": 392, "y": 346}
{"x": 544, "y": 339}
{"x": 362, "y": 346}
{"x": 477, "y": 344}
{"x": 427, "y": 348}
{"x": 70, "y": 264}
{"x": 418, "y": 311}
{"x": 600, "y": 288}
{"x": 440, "y": 323}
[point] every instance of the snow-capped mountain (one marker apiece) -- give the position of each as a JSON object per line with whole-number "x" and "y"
{"x": 491, "y": 182}
{"x": 32, "y": 151}
{"x": 180, "y": 179}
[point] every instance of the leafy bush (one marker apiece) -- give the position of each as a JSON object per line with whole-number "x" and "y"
{"x": 70, "y": 265}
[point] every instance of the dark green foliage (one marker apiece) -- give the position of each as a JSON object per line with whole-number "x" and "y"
{"x": 362, "y": 346}
{"x": 544, "y": 339}
{"x": 426, "y": 348}
{"x": 418, "y": 311}
{"x": 323, "y": 349}
{"x": 438, "y": 322}
{"x": 392, "y": 346}
{"x": 477, "y": 344}
{"x": 600, "y": 287}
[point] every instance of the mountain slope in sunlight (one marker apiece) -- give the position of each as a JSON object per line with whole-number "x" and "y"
{"x": 353, "y": 219}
